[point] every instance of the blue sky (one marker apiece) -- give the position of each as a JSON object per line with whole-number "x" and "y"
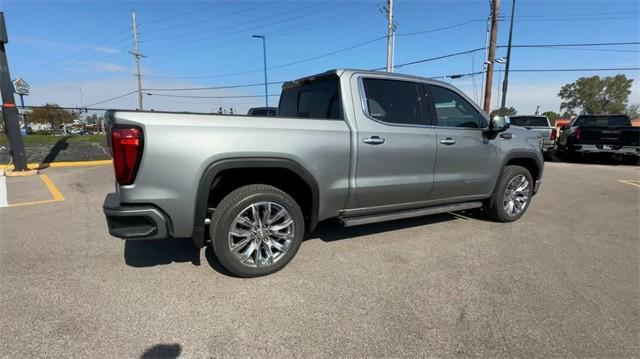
{"x": 75, "y": 53}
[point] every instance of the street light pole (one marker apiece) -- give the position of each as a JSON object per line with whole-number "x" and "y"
{"x": 264, "y": 60}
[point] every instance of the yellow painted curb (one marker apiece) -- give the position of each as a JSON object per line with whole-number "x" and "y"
{"x": 53, "y": 190}
{"x": 39, "y": 166}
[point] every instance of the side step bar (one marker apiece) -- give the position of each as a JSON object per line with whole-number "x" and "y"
{"x": 356, "y": 221}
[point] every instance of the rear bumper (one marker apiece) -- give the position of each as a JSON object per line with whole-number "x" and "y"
{"x": 128, "y": 221}
{"x": 624, "y": 150}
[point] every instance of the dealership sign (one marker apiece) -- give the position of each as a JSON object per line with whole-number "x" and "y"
{"x": 21, "y": 86}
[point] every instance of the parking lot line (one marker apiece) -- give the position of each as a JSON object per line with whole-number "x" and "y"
{"x": 3, "y": 191}
{"x": 635, "y": 183}
{"x": 53, "y": 190}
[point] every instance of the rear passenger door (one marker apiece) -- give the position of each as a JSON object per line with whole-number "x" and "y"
{"x": 395, "y": 142}
{"x": 466, "y": 158}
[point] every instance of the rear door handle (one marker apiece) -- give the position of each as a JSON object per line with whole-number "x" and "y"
{"x": 448, "y": 141}
{"x": 374, "y": 140}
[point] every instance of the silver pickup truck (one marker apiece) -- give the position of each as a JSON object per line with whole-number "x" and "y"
{"x": 359, "y": 146}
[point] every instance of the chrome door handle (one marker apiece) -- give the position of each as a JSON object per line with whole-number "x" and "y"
{"x": 448, "y": 141}
{"x": 374, "y": 140}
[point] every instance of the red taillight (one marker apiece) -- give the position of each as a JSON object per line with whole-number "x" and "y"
{"x": 578, "y": 133}
{"x": 553, "y": 134}
{"x": 126, "y": 148}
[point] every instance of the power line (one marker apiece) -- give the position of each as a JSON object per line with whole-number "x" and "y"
{"x": 195, "y": 96}
{"x": 206, "y": 20}
{"x": 178, "y": 15}
{"x": 503, "y": 46}
{"x": 441, "y": 28}
{"x": 279, "y": 66}
{"x": 251, "y": 22}
{"x": 113, "y": 98}
{"x": 213, "y": 87}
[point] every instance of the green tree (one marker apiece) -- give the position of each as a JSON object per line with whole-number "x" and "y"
{"x": 504, "y": 111}
{"x": 552, "y": 116}
{"x": 594, "y": 94}
{"x": 633, "y": 111}
{"x": 52, "y": 114}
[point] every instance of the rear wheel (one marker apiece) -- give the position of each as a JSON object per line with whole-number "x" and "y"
{"x": 512, "y": 196}
{"x": 256, "y": 230}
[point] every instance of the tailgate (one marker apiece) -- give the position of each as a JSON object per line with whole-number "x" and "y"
{"x": 620, "y": 136}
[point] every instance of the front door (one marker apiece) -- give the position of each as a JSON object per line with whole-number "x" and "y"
{"x": 466, "y": 164}
{"x": 396, "y": 146}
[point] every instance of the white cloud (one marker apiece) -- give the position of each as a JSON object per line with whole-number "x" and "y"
{"x": 107, "y": 67}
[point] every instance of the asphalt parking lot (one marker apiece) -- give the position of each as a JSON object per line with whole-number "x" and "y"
{"x": 561, "y": 282}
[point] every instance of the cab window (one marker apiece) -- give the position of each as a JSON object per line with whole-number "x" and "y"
{"x": 452, "y": 110}
{"x": 392, "y": 101}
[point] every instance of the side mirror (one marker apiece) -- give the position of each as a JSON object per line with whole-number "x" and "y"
{"x": 499, "y": 123}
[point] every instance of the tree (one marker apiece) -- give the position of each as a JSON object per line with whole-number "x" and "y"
{"x": 505, "y": 111}
{"x": 552, "y": 116}
{"x": 51, "y": 114}
{"x": 633, "y": 111}
{"x": 589, "y": 95}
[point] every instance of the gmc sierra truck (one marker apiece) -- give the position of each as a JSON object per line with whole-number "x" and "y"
{"x": 359, "y": 146}
{"x": 608, "y": 134}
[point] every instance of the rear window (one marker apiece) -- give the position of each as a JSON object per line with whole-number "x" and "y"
{"x": 314, "y": 99}
{"x": 602, "y": 121}
{"x": 529, "y": 121}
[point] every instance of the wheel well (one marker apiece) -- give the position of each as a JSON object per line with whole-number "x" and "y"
{"x": 528, "y": 163}
{"x": 281, "y": 178}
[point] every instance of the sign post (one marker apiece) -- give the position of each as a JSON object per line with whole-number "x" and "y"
{"x": 9, "y": 110}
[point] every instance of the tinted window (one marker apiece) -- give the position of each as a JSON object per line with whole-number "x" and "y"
{"x": 315, "y": 99}
{"x": 392, "y": 101}
{"x": 529, "y": 121}
{"x": 602, "y": 121}
{"x": 452, "y": 110}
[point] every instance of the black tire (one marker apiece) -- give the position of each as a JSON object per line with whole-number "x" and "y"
{"x": 231, "y": 206}
{"x": 495, "y": 209}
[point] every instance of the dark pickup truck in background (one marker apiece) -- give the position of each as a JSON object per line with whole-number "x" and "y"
{"x": 609, "y": 134}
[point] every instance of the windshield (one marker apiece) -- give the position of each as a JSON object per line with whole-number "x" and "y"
{"x": 529, "y": 121}
{"x": 602, "y": 121}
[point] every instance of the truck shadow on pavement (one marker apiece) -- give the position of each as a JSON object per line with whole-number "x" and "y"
{"x": 150, "y": 253}
{"x": 168, "y": 351}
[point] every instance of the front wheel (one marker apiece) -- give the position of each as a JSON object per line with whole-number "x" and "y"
{"x": 512, "y": 195}
{"x": 256, "y": 230}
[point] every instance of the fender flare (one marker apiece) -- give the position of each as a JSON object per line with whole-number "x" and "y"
{"x": 213, "y": 169}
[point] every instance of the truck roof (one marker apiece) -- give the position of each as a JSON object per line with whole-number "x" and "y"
{"x": 348, "y": 72}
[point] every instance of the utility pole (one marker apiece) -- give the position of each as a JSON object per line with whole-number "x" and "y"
{"x": 264, "y": 63}
{"x": 391, "y": 35}
{"x": 484, "y": 56}
{"x": 495, "y": 11}
{"x": 136, "y": 53}
{"x": 505, "y": 83}
{"x": 9, "y": 110}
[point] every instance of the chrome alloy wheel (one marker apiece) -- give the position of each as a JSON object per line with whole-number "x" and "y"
{"x": 261, "y": 234}
{"x": 516, "y": 195}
